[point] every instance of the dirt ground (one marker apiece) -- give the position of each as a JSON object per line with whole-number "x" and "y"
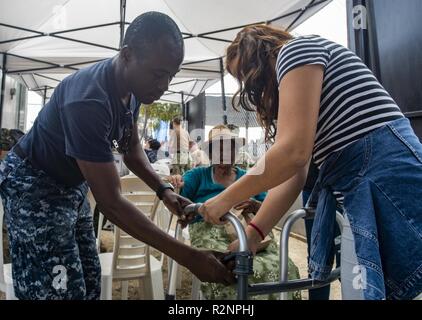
{"x": 297, "y": 252}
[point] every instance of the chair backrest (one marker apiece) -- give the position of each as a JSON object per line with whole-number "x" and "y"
{"x": 131, "y": 256}
{"x": 2, "y": 282}
{"x": 140, "y": 194}
{"x": 162, "y": 170}
{"x": 166, "y": 162}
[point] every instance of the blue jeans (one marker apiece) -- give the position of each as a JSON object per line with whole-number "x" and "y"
{"x": 324, "y": 292}
{"x": 380, "y": 177}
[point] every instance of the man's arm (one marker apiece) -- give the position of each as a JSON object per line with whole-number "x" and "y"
{"x": 104, "y": 182}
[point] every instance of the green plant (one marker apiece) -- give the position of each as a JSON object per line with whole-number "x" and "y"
{"x": 157, "y": 112}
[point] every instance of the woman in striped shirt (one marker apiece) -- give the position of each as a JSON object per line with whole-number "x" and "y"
{"x": 316, "y": 99}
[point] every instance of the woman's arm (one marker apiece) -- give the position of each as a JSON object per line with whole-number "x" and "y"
{"x": 299, "y": 101}
{"x": 279, "y": 200}
{"x": 274, "y": 207}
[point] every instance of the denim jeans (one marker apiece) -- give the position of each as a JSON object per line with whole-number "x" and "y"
{"x": 324, "y": 292}
{"x": 380, "y": 177}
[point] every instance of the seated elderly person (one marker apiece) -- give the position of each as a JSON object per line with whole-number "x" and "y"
{"x": 203, "y": 183}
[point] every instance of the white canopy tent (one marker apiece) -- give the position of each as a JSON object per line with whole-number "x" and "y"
{"x": 41, "y": 42}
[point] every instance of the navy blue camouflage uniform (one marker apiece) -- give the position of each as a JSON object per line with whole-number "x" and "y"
{"x": 50, "y": 229}
{"x": 50, "y": 225}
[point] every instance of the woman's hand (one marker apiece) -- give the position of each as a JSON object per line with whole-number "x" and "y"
{"x": 249, "y": 206}
{"x": 253, "y": 238}
{"x": 176, "y": 181}
{"x": 214, "y": 209}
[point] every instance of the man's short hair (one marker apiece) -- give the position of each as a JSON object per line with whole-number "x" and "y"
{"x": 150, "y": 27}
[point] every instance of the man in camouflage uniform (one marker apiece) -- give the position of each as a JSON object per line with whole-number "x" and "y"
{"x": 44, "y": 179}
{"x": 39, "y": 213}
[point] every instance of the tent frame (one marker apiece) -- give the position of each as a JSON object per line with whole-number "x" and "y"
{"x": 59, "y": 34}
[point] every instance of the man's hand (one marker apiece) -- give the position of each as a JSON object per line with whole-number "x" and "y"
{"x": 176, "y": 204}
{"x": 207, "y": 266}
{"x": 176, "y": 180}
{"x": 249, "y": 206}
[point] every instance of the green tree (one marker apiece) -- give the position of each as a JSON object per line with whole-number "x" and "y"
{"x": 157, "y": 112}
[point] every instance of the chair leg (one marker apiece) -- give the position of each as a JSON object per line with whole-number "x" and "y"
{"x": 10, "y": 292}
{"x": 157, "y": 284}
{"x": 179, "y": 277}
{"x": 125, "y": 289}
{"x": 196, "y": 285}
{"x": 106, "y": 288}
{"x": 146, "y": 285}
{"x": 100, "y": 228}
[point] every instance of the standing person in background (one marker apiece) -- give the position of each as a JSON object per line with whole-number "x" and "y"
{"x": 179, "y": 147}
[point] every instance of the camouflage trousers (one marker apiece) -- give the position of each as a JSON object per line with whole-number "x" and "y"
{"x": 51, "y": 235}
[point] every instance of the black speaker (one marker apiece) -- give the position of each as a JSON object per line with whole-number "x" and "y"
{"x": 387, "y": 35}
{"x": 196, "y": 117}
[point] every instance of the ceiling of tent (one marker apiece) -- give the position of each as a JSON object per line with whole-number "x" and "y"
{"x": 61, "y": 36}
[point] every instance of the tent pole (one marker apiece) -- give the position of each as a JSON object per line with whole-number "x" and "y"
{"x": 182, "y": 96}
{"x": 199, "y": 70}
{"x": 44, "y": 96}
{"x": 223, "y": 91}
{"x": 184, "y": 93}
{"x": 247, "y": 127}
{"x": 3, "y": 85}
{"x": 122, "y": 21}
{"x": 199, "y": 61}
{"x": 300, "y": 15}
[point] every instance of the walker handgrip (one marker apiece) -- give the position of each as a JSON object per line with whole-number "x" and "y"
{"x": 192, "y": 208}
{"x": 243, "y": 258}
{"x": 241, "y": 235}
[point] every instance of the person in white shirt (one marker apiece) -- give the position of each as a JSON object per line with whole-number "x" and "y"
{"x": 179, "y": 147}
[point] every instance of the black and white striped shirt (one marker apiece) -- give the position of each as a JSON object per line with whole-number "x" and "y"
{"x": 353, "y": 102}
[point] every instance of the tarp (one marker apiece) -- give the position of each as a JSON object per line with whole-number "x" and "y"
{"x": 61, "y": 36}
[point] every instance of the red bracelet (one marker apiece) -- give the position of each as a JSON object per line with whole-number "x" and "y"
{"x": 257, "y": 230}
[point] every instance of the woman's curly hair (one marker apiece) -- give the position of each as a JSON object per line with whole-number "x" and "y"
{"x": 249, "y": 59}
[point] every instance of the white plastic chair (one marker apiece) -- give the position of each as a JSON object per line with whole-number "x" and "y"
{"x": 161, "y": 169}
{"x": 6, "y": 279}
{"x": 131, "y": 259}
{"x": 167, "y": 162}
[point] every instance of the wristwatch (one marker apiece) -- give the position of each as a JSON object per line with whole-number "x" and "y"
{"x": 162, "y": 188}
